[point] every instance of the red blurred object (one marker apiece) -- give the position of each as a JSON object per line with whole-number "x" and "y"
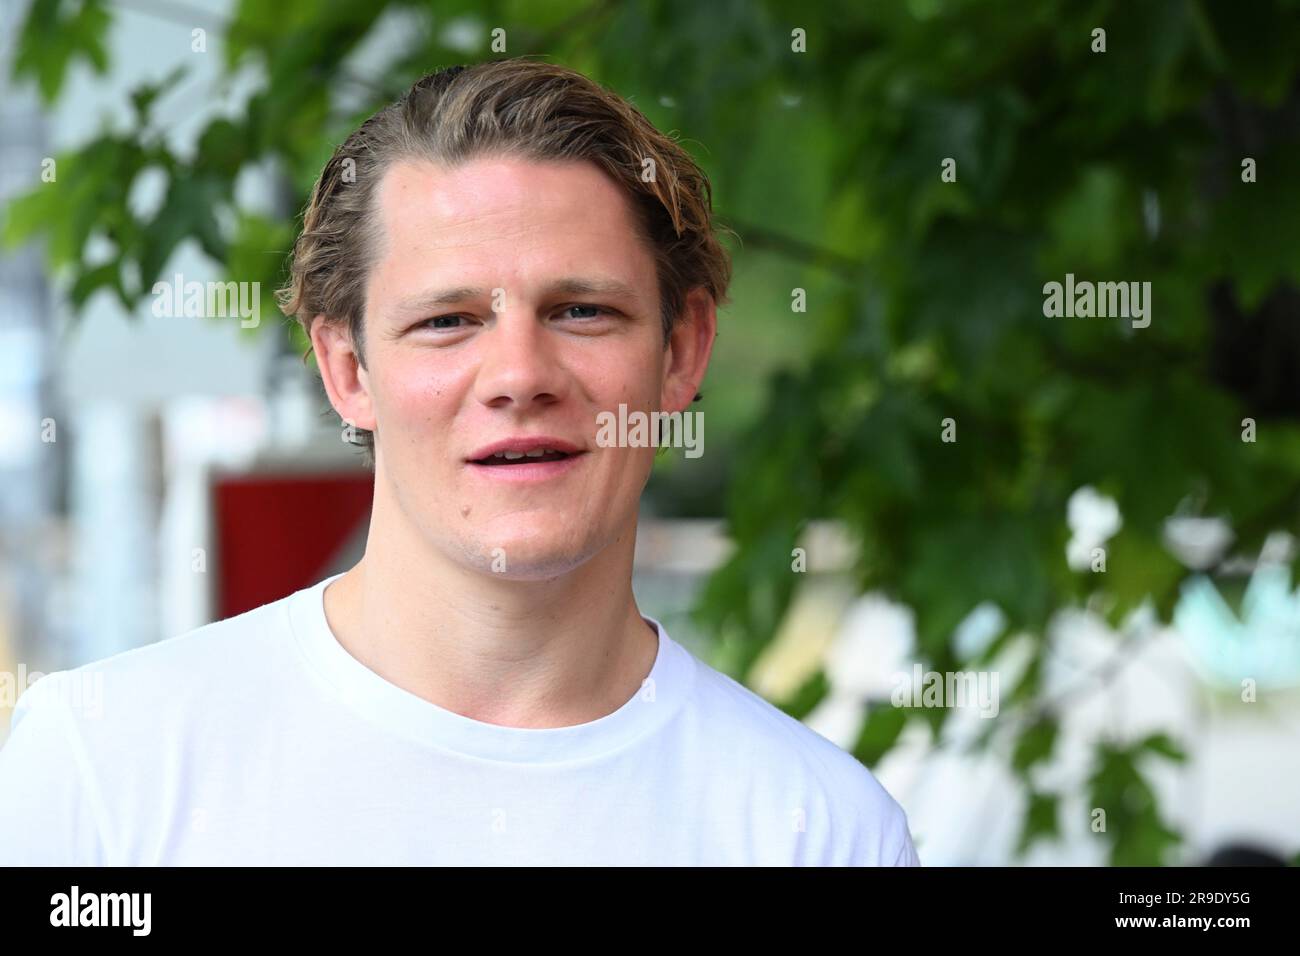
{"x": 279, "y": 532}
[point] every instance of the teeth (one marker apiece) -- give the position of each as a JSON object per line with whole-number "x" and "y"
{"x": 516, "y": 455}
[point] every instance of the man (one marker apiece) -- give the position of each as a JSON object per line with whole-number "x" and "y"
{"x": 485, "y": 267}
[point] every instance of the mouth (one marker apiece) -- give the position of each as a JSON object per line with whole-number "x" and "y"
{"x": 524, "y": 449}
{"x": 508, "y": 459}
{"x": 528, "y": 458}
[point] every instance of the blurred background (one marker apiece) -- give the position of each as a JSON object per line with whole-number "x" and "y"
{"x": 917, "y": 474}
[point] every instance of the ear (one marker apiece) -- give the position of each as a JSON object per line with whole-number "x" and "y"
{"x": 689, "y": 346}
{"x": 346, "y": 382}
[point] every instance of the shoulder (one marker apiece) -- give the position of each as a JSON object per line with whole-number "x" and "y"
{"x": 149, "y": 691}
{"x": 89, "y": 744}
{"x": 221, "y": 644}
{"x": 869, "y": 825}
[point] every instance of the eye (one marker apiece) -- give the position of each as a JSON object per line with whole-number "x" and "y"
{"x": 442, "y": 322}
{"x": 593, "y": 311}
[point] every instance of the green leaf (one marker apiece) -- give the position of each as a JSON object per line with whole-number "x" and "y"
{"x": 879, "y": 733}
{"x": 1041, "y": 820}
{"x": 223, "y": 147}
{"x": 188, "y": 211}
{"x": 811, "y": 693}
{"x": 1035, "y": 745}
{"x": 55, "y": 35}
{"x": 143, "y": 96}
{"x": 1137, "y": 834}
{"x": 1163, "y": 745}
{"x": 107, "y": 276}
{"x": 29, "y": 214}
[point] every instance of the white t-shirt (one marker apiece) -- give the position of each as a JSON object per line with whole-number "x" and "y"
{"x": 260, "y": 740}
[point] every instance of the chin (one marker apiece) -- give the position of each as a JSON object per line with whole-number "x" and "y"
{"x": 534, "y": 564}
{"x": 541, "y": 554}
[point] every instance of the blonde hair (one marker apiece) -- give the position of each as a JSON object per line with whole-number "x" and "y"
{"x": 515, "y": 107}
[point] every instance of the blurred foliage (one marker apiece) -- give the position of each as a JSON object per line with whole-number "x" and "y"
{"x": 925, "y": 296}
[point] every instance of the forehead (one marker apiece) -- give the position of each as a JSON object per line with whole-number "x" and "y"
{"x": 504, "y": 220}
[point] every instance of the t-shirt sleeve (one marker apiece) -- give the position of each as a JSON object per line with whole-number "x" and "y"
{"x": 875, "y": 825}
{"x": 48, "y": 806}
{"x": 907, "y": 853}
{"x": 865, "y": 825}
{"x": 882, "y": 837}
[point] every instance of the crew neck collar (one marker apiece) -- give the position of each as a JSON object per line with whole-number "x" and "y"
{"x": 407, "y": 715}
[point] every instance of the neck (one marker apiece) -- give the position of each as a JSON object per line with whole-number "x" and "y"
{"x": 554, "y": 652}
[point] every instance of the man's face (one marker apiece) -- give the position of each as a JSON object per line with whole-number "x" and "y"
{"x": 511, "y": 302}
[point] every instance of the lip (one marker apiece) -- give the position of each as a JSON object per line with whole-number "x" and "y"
{"x": 534, "y": 471}
{"x": 523, "y": 443}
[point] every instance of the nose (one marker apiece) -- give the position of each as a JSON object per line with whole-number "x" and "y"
{"x": 519, "y": 365}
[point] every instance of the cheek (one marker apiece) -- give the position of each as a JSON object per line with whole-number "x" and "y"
{"x": 414, "y": 392}
{"x": 633, "y": 376}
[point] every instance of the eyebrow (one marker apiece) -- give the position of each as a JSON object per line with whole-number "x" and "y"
{"x": 427, "y": 301}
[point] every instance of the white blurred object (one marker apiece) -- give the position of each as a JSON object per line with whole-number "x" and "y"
{"x": 21, "y": 359}
{"x": 978, "y": 630}
{"x": 1198, "y": 543}
{"x": 292, "y": 407}
{"x": 115, "y": 462}
{"x": 1093, "y": 518}
{"x": 1262, "y": 645}
{"x": 875, "y": 642}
